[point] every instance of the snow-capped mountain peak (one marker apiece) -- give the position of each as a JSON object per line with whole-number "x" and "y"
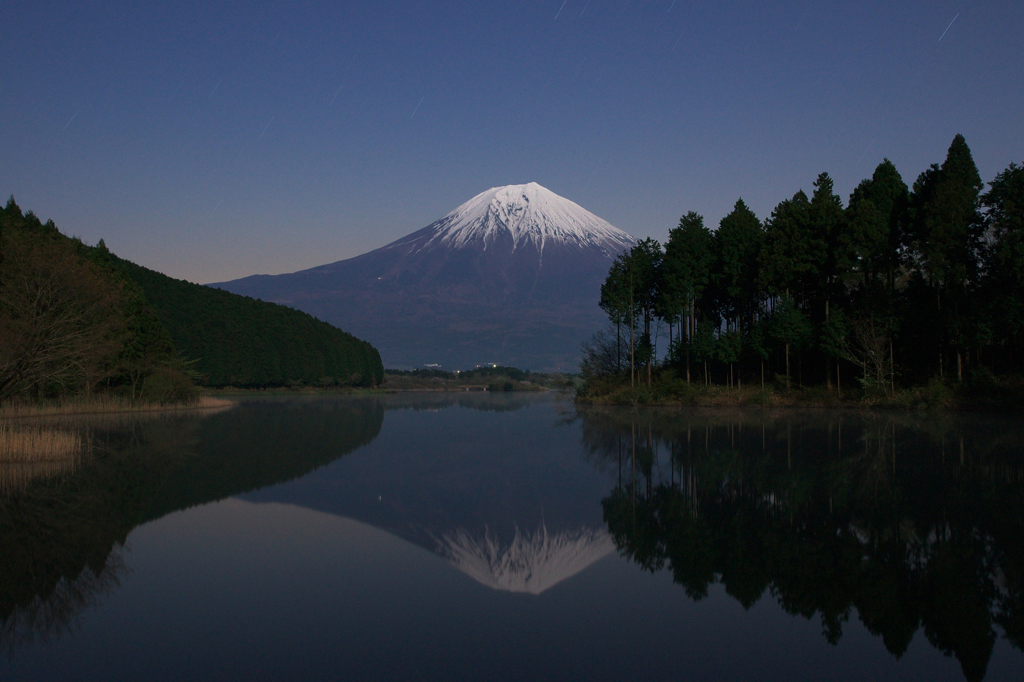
{"x": 514, "y": 273}
{"x": 528, "y": 214}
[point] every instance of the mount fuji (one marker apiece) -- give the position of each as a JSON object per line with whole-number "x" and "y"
{"x": 512, "y": 276}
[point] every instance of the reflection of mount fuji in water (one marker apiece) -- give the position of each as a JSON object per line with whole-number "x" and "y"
{"x": 504, "y": 497}
{"x": 531, "y": 562}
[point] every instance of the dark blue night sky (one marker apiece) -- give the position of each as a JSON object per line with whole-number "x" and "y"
{"x": 214, "y": 140}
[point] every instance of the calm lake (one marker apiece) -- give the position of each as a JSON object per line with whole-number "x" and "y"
{"x": 515, "y": 537}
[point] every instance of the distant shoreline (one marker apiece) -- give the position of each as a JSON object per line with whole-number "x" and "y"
{"x": 378, "y": 391}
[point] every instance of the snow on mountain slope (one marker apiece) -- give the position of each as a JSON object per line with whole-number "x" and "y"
{"x": 531, "y": 563}
{"x": 527, "y": 214}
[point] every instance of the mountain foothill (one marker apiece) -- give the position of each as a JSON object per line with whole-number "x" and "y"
{"x": 77, "y": 320}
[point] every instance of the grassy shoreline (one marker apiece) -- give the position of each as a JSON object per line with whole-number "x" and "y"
{"x": 103, "y": 405}
{"x": 48, "y": 440}
{"x": 1002, "y": 396}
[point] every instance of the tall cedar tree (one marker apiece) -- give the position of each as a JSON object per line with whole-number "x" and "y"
{"x": 947, "y": 239}
{"x": 793, "y": 254}
{"x": 739, "y": 241}
{"x": 1004, "y": 221}
{"x": 686, "y": 272}
{"x": 827, "y": 224}
{"x": 618, "y": 293}
{"x": 875, "y": 217}
{"x": 946, "y": 226}
{"x": 791, "y": 264}
{"x": 645, "y": 259}
{"x": 630, "y": 294}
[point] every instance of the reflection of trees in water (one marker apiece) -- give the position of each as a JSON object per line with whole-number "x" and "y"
{"x": 60, "y": 538}
{"x": 15, "y": 476}
{"x": 46, "y": 617}
{"x": 913, "y": 523}
{"x": 52, "y": 446}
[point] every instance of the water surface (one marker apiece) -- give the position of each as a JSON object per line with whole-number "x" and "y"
{"x": 444, "y": 536}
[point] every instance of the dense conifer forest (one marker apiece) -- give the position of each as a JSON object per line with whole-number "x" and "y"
{"x": 78, "y": 320}
{"x": 900, "y": 287}
{"x": 244, "y": 342}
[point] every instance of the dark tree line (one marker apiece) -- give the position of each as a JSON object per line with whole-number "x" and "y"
{"x": 77, "y": 320}
{"x": 899, "y": 286}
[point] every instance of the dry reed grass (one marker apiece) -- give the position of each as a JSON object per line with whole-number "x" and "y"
{"x": 28, "y": 454}
{"x": 103, "y": 405}
{"x": 50, "y": 439}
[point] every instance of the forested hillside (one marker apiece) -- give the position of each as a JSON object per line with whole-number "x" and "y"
{"x": 77, "y": 320}
{"x": 901, "y": 287}
{"x": 240, "y": 341}
{"x": 72, "y": 324}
